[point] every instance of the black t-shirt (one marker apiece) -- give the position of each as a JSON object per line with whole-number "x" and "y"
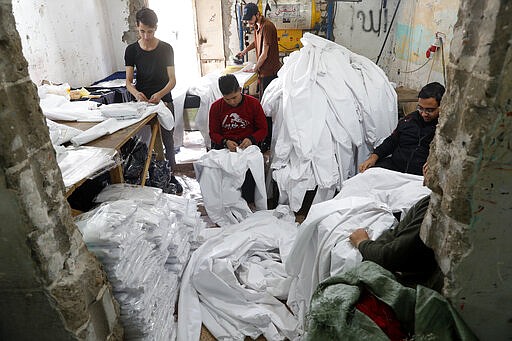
{"x": 151, "y": 67}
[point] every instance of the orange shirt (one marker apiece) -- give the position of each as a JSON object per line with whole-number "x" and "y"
{"x": 266, "y": 34}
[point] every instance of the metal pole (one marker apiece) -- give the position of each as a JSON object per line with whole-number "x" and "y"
{"x": 330, "y": 9}
{"x": 240, "y": 26}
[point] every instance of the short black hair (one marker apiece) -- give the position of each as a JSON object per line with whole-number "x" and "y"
{"x": 432, "y": 90}
{"x": 147, "y": 17}
{"x": 228, "y": 84}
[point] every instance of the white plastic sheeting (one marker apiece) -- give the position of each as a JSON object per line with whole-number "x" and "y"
{"x": 138, "y": 240}
{"x": 221, "y": 174}
{"x": 322, "y": 247}
{"x": 77, "y": 163}
{"x": 336, "y": 106}
{"x": 61, "y": 133}
{"x": 231, "y": 282}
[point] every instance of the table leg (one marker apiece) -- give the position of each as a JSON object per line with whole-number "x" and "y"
{"x": 116, "y": 175}
{"x": 159, "y": 149}
{"x": 155, "y": 131}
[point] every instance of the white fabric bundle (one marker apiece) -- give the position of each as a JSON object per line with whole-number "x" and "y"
{"x": 232, "y": 281}
{"x": 336, "y": 107}
{"x": 112, "y": 125}
{"x": 123, "y": 111}
{"x": 221, "y": 174}
{"x": 322, "y": 247}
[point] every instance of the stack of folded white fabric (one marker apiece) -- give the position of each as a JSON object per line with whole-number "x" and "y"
{"x": 134, "y": 233}
{"x": 123, "y": 111}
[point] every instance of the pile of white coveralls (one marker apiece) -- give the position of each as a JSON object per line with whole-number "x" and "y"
{"x": 257, "y": 277}
{"x": 330, "y": 107}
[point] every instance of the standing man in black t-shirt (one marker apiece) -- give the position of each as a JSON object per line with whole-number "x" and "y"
{"x": 153, "y": 60}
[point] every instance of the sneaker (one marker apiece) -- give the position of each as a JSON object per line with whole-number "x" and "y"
{"x": 179, "y": 188}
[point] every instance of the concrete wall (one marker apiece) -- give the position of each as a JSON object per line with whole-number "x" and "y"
{"x": 469, "y": 219}
{"x": 51, "y": 287}
{"x": 410, "y": 35}
{"x": 78, "y": 42}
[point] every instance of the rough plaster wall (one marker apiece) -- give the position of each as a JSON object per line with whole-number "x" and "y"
{"x": 231, "y": 46}
{"x": 131, "y": 34}
{"x": 412, "y": 32}
{"x": 68, "y": 41}
{"x": 51, "y": 287}
{"x": 468, "y": 223}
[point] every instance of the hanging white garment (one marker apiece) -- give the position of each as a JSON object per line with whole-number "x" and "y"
{"x": 178, "y": 99}
{"x": 208, "y": 90}
{"x": 221, "y": 174}
{"x": 231, "y": 281}
{"x": 328, "y": 104}
{"x": 322, "y": 248}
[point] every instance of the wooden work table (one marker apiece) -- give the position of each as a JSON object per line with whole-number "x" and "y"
{"x": 116, "y": 141}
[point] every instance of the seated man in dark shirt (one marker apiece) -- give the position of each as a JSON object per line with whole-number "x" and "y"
{"x": 406, "y": 149}
{"x": 402, "y": 251}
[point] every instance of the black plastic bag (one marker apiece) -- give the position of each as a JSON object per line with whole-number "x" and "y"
{"x": 134, "y": 153}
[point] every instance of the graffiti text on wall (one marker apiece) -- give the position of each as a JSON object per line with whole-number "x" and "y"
{"x": 377, "y": 20}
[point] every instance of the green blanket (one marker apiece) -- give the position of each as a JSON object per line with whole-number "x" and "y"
{"x": 422, "y": 312}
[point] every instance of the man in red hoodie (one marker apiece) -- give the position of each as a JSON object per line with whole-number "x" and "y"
{"x": 236, "y": 120}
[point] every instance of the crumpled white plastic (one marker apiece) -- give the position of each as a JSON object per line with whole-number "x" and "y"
{"x": 59, "y": 108}
{"x": 77, "y": 163}
{"x": 61, "y": 133}
{"x": 231, "y": 281}
{"x": 221, "y": 173}
{"x": 322, "y": 248}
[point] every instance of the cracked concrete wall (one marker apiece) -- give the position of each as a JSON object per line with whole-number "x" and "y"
{"x": 51, "y": 287}
{"x": 470, "y": 171}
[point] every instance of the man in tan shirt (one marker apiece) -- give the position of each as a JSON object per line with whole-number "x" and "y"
{"x": 265, "y": 43}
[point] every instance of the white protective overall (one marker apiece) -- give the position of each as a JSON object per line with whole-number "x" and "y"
{"x": 322, "y": 247}
{"x": 221, "y": 174}
{"x": 336, "y": 107}
{"x": 233, "y": 281}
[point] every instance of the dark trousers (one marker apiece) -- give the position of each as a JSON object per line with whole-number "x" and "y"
{"x": 168, "y": 140}
{"x": 249, "y": 185}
